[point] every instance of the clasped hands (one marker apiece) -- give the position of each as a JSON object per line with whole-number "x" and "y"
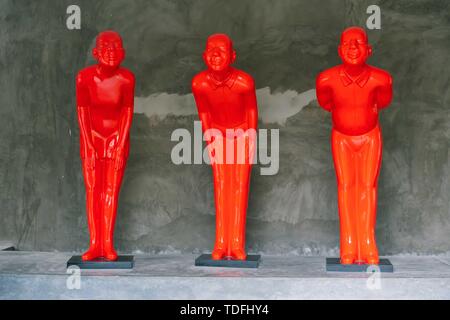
{"x": 117, "y": 154}
{"x": 215, "y": 139}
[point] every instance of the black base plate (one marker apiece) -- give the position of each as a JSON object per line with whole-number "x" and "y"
{"x": 205, "y": 260}
{"x": 122, "y": 262}
{"x": 334, "y": 265}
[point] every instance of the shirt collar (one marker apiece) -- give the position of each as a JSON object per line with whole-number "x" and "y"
{"x": 227, "y": 82}
{"x": 361, "y": 80}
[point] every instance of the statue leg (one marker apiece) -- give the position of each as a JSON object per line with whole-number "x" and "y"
{"x": 216, "y": 154}
{"x": 344, "y": 162}
{"x": 241, "y": 182}
{"x": 92, "y": 179}
{"x": 113, "y": 181}
{"x": 369, "y": 166}
{"x": 221, "y": 243}
{"x": 239, "y": 210}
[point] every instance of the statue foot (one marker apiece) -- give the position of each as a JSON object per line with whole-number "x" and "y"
{"x": 218, "y": 254}
{"x": 108, "y": 250}
{"x": 110, "y": 254}
{"x": 370, "y": 253}
{"x": 91, "y": 254}
{"x": 372, "y": 258}
{"x": 348, "y": 259}
{"x": 238, "y": 254}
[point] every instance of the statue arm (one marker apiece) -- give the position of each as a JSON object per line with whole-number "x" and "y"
{"x": 324, "y": 92}
{"x": 128, "y": 109}
{"x": 202, "y": 107}
{"x": 125, "y": 122}
{"x": 251, "y": 106}
{"x": 384, "y": 92}
{"x": 82, "y": 94}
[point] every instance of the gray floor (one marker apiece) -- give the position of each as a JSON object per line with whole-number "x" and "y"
{"x": 33, "y": 275}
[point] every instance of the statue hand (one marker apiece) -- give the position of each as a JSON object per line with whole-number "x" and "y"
{"x": 251, "y": 145}
{"x": 119, "y": 158}
{"x": 91, "y": 155}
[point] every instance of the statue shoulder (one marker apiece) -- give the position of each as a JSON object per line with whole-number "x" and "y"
{"x": 381, "y": 75}
{"x": 127, "y": 75}
{"x": 199, "y": 81}
{"x": 244, "y": 80}
{"x": 85, "y": 74}
{"x": 327, "y": 75}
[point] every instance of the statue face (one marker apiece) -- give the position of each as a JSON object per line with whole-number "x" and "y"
{"x": 109, "y": 50}
{"x": 354, "y": 48}
{"x": 219, "y": 53}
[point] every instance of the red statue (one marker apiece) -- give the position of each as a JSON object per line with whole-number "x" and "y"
{"x": 105, "y": 101}
{"x": 226, "y": 103}
{"x": 354, "y": 92}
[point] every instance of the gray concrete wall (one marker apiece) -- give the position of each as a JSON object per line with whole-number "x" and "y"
{"x": 283, "y": 44}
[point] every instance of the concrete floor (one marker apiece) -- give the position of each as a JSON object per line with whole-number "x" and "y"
{"x": 37, "y": 275}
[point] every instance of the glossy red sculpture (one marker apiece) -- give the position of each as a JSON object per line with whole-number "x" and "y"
{"x": 354, "y": 93}
{"x": 105, "y": 101}
{"x": 226, "y": 101}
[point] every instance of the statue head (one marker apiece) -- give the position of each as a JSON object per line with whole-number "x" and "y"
{"x": 109, "y": 51}
{"x": 219, "y": 53}
{"x": 354, "y": 48}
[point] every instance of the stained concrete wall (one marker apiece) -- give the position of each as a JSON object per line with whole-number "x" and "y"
{"x": 283, "y": 44}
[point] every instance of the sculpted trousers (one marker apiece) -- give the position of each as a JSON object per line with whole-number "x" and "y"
{"x": 231, "y": 186}
{"x": 357, "y": 161}
{"x": 102, "y": 184}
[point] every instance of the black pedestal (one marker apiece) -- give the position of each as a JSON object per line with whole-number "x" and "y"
{"x": 122, "y": 262}
{"x": 334, "y": 265}
{"x": 205, "y": 260}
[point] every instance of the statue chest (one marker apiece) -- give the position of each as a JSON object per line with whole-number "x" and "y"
{"x": 106, "y": 93}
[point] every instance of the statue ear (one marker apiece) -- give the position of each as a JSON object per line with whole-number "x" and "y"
{"x": 204, "y": 57}
{"x": 95, "y": 53}
{"x": 340, "y": 51}
{"x": 369, "y": 50}
{"x": 233, "y": 56}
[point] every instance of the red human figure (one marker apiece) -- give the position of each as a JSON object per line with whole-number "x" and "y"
{"x": 354, "y": 92}
{"x": 226, "y": 103}
{"x": 105, "y": 101}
